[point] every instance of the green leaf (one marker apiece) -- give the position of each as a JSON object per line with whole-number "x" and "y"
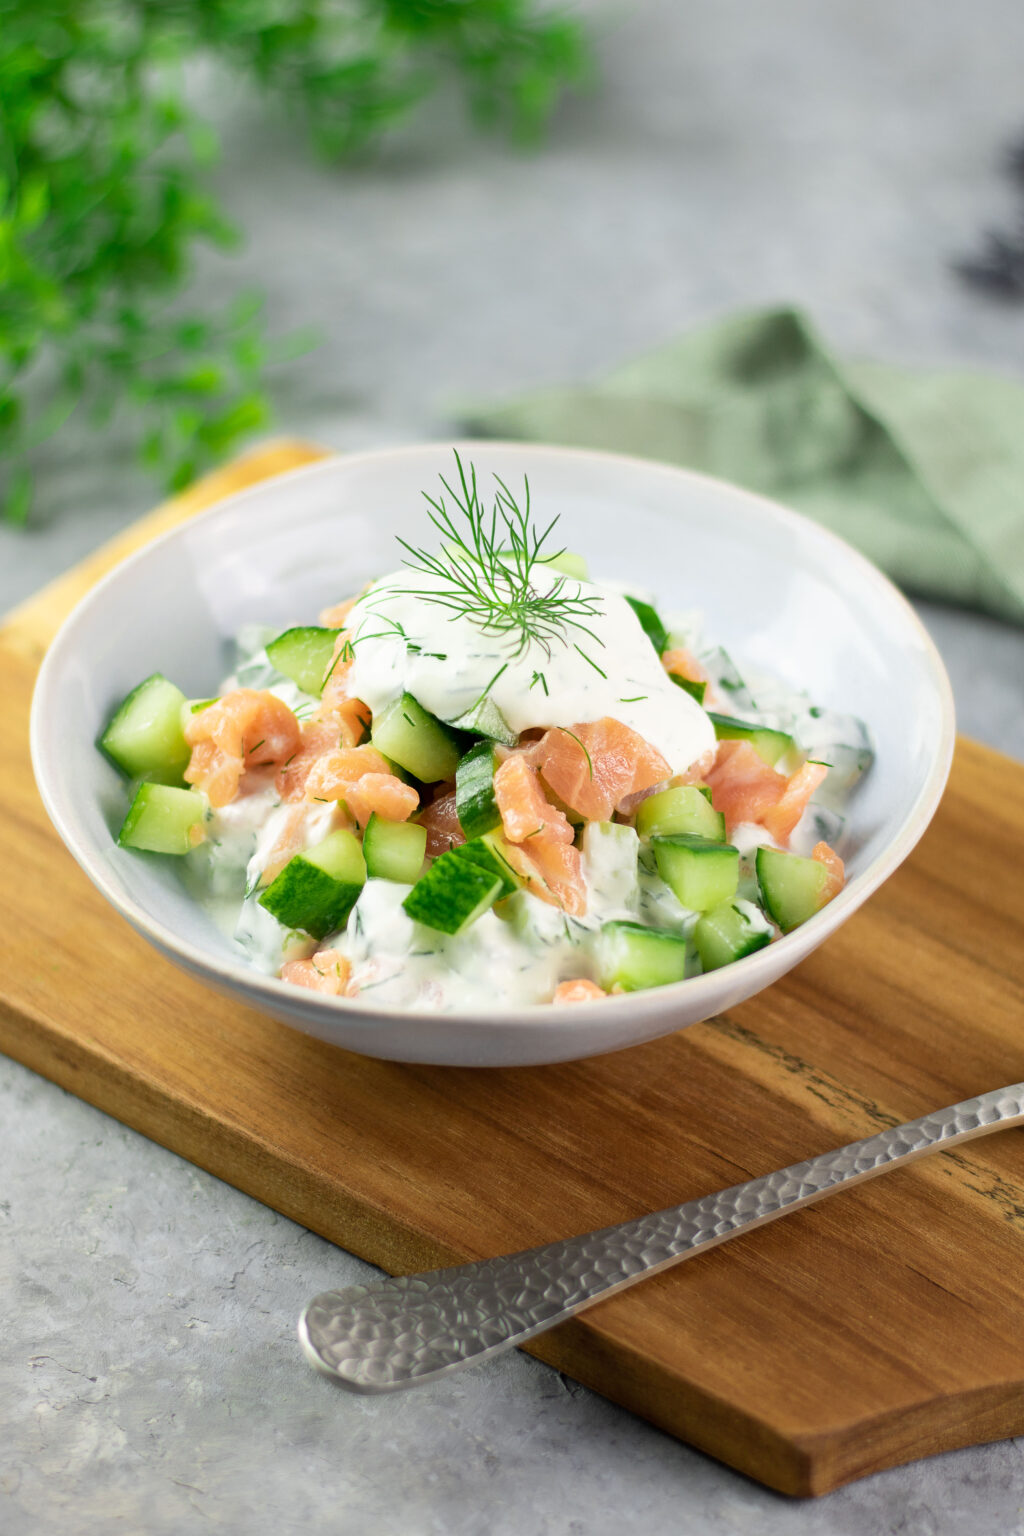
{"x": 33, "y": 203}
{"x": 207, "y": 379}
{"x": 246, "y": 415}
{"x": 203, "y": 142}
{"x": 183, "y": 473}
{"x": 105, "y": 191}
{"x": 18, "y": 500}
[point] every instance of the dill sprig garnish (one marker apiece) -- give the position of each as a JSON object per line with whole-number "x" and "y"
{"x": 487, "y": 571}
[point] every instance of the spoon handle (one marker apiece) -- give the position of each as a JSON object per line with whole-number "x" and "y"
{"x": 395, "y": 1333}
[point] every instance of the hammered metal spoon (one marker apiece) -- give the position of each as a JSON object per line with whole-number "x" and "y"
{"x": 396, "y": 1333}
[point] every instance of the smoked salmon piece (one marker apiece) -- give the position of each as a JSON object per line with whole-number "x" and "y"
{"x": 289, "y": 841}
{"x": 327, "y": 971}
{"x": 525, "y": 812}
{"x": 336, "y": 770}
{"x": 540, "y": 837}
{"x": 362, "y": 778}
{"x": 249, "y": 728}
{"x": 441, "y": 820}
{"x": 836, "y": 870}
{"x": 743, "y": 787}
{"x": 596, "y": 765}
{"x": 783, "y": 817}
{"x": 381, "y": 794}
{"x": 553, "y": 872}
{"x": 580, "y": 990}
{"x": 696, "y": 774}
{"x": 317, "y": 738}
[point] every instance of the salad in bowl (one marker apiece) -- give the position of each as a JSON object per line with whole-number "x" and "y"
{"x": 487, "y": 779}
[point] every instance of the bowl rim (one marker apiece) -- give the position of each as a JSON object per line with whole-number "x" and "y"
{"x": 759, "y": 969}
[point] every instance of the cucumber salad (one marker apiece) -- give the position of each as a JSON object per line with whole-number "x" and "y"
{"x": 487, "y": 780}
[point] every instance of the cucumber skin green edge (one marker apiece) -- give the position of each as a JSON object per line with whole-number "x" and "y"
{"x": 679, "y": 857}
{"x": 710, "y": 942}
{"x": 695, "y": 690}
{"x": 327, "y": 902}
{"x": 308, "y": 896}
{"x": 729, "y": 728}
{"x": 778, "y": 907}
{"x": 478, "y": 851}
{"x": 475, "y": 804}
{"x": 452, "y": 895}
{"x": 650, "y": 622}
{"x": 628, "y": 969}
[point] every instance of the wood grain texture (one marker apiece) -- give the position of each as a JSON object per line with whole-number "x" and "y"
{"x": 881, "y": 1326}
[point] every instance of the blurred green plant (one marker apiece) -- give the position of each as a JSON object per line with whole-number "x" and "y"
{"x": 104, "y": 194}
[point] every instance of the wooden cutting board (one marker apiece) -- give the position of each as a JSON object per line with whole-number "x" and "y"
{"x": 881, "y": 1326}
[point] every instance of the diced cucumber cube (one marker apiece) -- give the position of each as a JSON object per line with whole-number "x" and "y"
{"x": 488, "y": 852}
{"x": 569, "y": 564}
{"x": 304, "y": 654}
{"x": 416, "y": 740}
{"x": 394, "y": 850}
{"x": 453, "y": 893}
{"x": 144, "y": 737}
{"x": 695, "y": 690}
{"x": 727, "y": 933}
{"x": 701, "y": 872}
{"x": 684, "y": 808}
{"x": 486, "y": 719}
{"x": 769, "y": 744}
{"x": 650, "y": 623}
{"x": 633, "y": 958}
{"x": 792, "y": 888}
{"x": 162, "y": 819}
{"x": 474, "y": 790}
{"x": 317, "y": 889}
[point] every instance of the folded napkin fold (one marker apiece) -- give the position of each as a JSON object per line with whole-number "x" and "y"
{"x": 922, "y": 471}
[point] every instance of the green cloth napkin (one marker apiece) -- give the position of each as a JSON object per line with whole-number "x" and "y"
{"x": 923, "y": 471}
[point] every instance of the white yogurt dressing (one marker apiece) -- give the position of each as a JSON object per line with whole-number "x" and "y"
{"x": 515, "y": 957}
{"x": 519, "y": 952}
{"x": 405, "y": 644}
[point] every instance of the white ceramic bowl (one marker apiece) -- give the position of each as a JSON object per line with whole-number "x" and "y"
{"x": 774, "y": 587}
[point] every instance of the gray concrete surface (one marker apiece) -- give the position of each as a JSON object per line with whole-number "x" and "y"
{"x": 836, "y": 155}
